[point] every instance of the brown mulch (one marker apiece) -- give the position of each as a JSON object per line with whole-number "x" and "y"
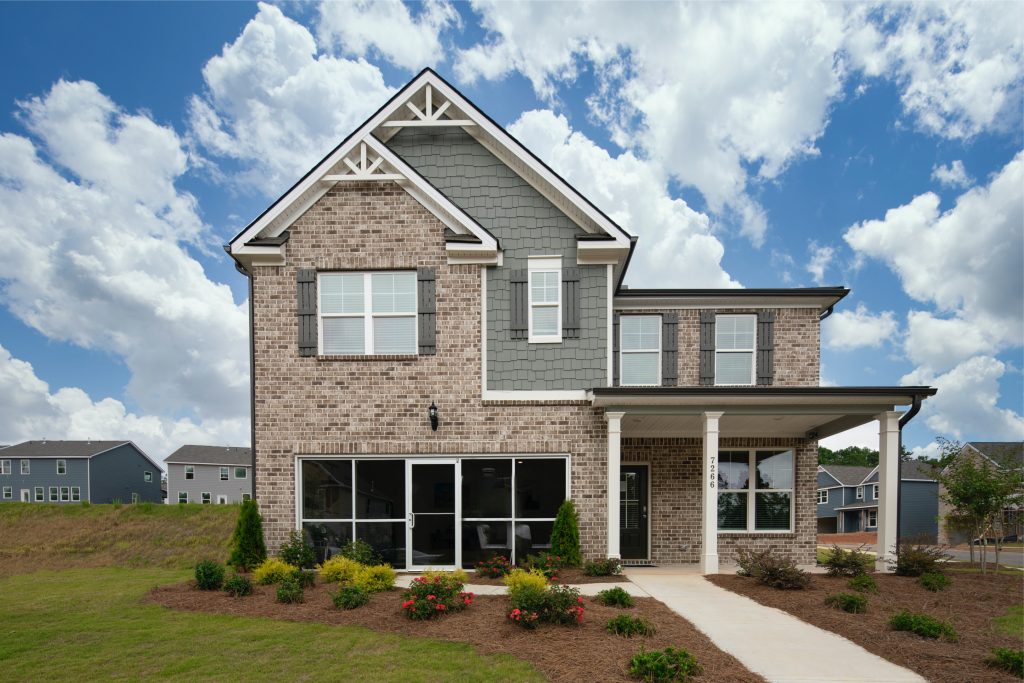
{"x": 969, "y": 604}
{"x": 562, "y": 653}
{"x": 565, "y": 577}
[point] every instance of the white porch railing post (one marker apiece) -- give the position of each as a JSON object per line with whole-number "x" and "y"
{"x": 888, "y": 487}
{"x": 614, "y": 473}
{"x": 709, "y": 498}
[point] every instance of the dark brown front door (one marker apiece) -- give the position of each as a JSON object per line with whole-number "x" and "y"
{"x": 633, "y": 512}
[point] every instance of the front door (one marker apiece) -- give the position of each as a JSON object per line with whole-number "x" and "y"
{"x": 633, "y": 512}
{"x": 26, "y": 496}
{"x": 432, "y": 503}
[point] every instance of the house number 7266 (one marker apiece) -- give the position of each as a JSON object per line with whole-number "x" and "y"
{"x": 712, "y": 474}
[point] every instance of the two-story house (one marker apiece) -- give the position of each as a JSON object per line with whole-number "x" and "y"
{"x": 443, "y": 351}
{"x": 209, "y": 474}
{"x": 75, "y": 471}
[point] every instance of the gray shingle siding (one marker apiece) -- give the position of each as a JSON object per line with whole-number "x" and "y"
{"x": 120, "y": 472}
{"x": 43, "y": 472}
{"x": 526, "y": 224}
{"x": 207, "y": 479}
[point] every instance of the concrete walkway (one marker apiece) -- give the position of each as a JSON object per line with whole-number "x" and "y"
{"x": 768, "y": 641}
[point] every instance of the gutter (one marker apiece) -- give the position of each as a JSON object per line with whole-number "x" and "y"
{"x": 252, "y": 367}
{"x": 915, "y": 408}
{"x": 827, "y": 313}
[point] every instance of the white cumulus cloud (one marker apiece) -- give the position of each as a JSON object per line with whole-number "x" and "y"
{"x": 821, "y": 257}
{"x": 952, "y": 175}
{"x": 847, "y": 330}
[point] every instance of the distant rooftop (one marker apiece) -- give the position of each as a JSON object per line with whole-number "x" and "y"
{"x": 211, "y": 455}
{"x": 59, "y": 449}
{"x": 847, "y": 475}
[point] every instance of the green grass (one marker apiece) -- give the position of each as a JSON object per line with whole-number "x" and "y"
{"x": 823, "y": 555}
{"x": 1011, "y": 623}
{"x": 91, "y": 624}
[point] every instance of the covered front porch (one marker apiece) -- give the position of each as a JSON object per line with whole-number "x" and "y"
{"x": 735, "y": 467}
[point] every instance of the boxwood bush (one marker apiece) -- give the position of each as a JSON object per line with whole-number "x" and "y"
{"x": 209, "y": 575}
{"x": 290, "y": 591}
{"x": 935, "y": 581}
{"x": 627, "y": 626}
{"x": 238, "y": 586}
{"x": 923, "y": 625}
{"x": 1008, "y": 660}
{"x": 865, "y": 583}
{"x": 854, "y": 603}
{"x": 615, "y": 597}
{"x": 350, "y": 597}
{"x": 669, "y": 664}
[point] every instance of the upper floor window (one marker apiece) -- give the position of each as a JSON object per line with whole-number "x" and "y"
{"x": 5, "y": 466}
{"x": 368, "y": 313}
{"x": 640, "y": 349}
{"x": 223, "y": 473}
{"x": 241, "y": 473}
{"x": 734, "y": 349}
{"x": 874, "y": 491}
{"x": 822, "y": 496}
{"x": 190, "y": 472}
{"x": 860, "y": 493}
{"x": 545, "y": 310}
{"x": 147, "y": 477}
{"x": 26, "y": 468}
{"x": 62, "y": 467}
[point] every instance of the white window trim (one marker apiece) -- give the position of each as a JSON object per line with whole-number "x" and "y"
{"x": 5, "y": 466}
{"x": 222, "y": 499}
{"x": 54, "y": 494}
{"x": 39, "y": 494}
{"x": 874, "y": 491}
{"x": 752, "y": 350}
{"x": 206, "y": 498}
{"x": 245, "y": 473}
{"x": 26, "y": 466}
{"x": 822, "y": 500}
{"x": 8, "y": 493}
{"x": 367, "y": 314}
{"x": 180, "y": 494}
{"x": 751, "y": 492}
{"x": 76, "y": 494}
{"x": 868, "y": 523}
{"x": 62, "y": 467}
{"x": 189, "y": 469}
{"x": 544, "y": 264}
{"x": 860, "y": 493}
{"x": 65, "y": 494}
{"x": 224, "y": 473}
{"x": 147, "y": 477}
{"x": 622, "y": 350}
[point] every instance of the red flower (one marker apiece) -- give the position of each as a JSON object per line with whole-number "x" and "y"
{"x": 431, "y": 597}
{"x": 579, "y": 600}
{"x": 408, "y": 603}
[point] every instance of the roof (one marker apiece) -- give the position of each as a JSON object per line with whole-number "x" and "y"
{"x": 858, "y": 506}
{"x": 211, "y": 455}
{"x": 847, "y": 475}
{"x": 60, "y": 449}
{"x": 999, "y": 450}
{"x": 917, "y": 469}
{"x": 822, "y": 298}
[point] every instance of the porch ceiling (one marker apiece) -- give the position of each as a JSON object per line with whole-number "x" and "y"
{"x": 731, "y": 425}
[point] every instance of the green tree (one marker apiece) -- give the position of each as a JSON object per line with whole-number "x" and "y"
{"x": 248, "y": 549}
{"x": 851, "y": 455}
{"x": 565, "y": 535}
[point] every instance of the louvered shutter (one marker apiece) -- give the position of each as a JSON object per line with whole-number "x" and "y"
{"x": 707, "y": 348}
{"x": 669, "y": 349}
{"x": 426, "y": 311}
{"x": 615, "y": 350}
{"x": 519, "y": 322}
{"x": 571, "y": 303}
{"x": 765, "y": 347}
{"x": 305, "y": 282}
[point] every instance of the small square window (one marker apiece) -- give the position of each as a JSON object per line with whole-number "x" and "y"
{"x": 190, "y": 472}
{"x": 241, "y": 473}
{"x": 207, "y": 498}
{"x": 8, "y": 493}
{"x": 822, "y": 496}
{"x": 222, "y": 500}
{"x": 147, "y": 477}
{"x": 26, "y": 467}
{"x": 62, "y": 467}
{"x": 40, "y": 495}
{"x": 224, "y": 473}
{"x": 182, "y": 496}
{"x": 246, "y": 496}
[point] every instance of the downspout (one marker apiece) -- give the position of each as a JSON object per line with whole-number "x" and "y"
{"x": 826, "y": 313}
{"x": 252, "y": 368}
{"x": 915, "y": 408}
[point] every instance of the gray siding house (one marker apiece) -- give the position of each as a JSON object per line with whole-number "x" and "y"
{"x": 209, "y": 475}
{"x": 1000, "y": 455}
{"x": 75, "y": 471}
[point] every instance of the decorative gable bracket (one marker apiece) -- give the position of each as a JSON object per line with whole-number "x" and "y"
{"x": 428, "y": 115}
{"x": 363, "y": 166}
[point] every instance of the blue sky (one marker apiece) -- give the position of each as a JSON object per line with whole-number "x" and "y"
{"x": 877, "y": 147}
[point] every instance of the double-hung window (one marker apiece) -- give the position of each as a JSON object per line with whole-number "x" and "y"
{"x": 368, "y": 313}
{"x": 822, "y": 496}
{"x": 762, "y": 502}
{"x": 207, "y": 498}
{"x": 40, "y": 496}
{"x": 65, "y": 494}
{"x": 874, "y": 491}
{"x": 224, "y": 473}
{"x": 734, "y": 349}
{"x": 872, "y": 519}
{"x": 26, "y": 468}
{"x": 640, "y": 350}
{"x": 62, "y": 467}
{"x": 5, "y": 466}
{"x": 8, "y": 493}
{"x": 76, "y": 494}
{"x": 860, "y": 493}
{"x": 190, "y": 472}
{"x": 53, "y": 495}
{"x": 182, "y": 496}
{"x": 545, "y": 310}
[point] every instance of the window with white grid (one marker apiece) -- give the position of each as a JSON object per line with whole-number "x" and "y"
{"x": 367, "y": 313}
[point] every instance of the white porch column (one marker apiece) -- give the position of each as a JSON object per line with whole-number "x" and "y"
{"x": 888, "y": 487}
{"x": 614, "y": 473}
{"x": 709, "y": 499}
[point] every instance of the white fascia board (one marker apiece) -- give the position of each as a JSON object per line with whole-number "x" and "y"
{"x": 589, "y": 253}
{"x": 723, "y": 302}
{"x": 259, "y": 255}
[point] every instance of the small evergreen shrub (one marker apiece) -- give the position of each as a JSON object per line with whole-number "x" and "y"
{"x": 923, "y": 625}
{"x": 627, "y": 626}
{"x": 935, "y": 581}
{"x": 362, "y": 552}
{"x": 847, "y": 562}
{"x": 494, "y": 567}
{"x": 339, "y": 569}
{"x": 608, "y": 567}
{"x": 297, "y": 552}
{"x": 377, "y": 578}
{"x": 209, "y": 575}
{"x": 350, "y": 597}
{"x": 530, "y": 605}
{"x": 427, "y": 599}
{"x": 669, "y": 664}
{"x": 272, "y": 570}
{"x": 854, "y": 603}
{"x": 615, "y": 597}
{"x": 865, "y": 583}
{"x": 248, "y": 549}
{"x": 771, "y": 569}
{"x": 238, "y": 586}
{"x": 290, "y": 591}
{"x": 1008, "y": 660}
{"x": 519, "y": 577}
{"x": 304, "y": 577}
{"x": 915, "y": 560}
{"x": 565, "y": 535}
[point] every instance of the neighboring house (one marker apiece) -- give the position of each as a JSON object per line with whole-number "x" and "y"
{"x": 75, "y": 471}
{"x": 443, "y": 351}
{"x": 999, "y": 454}
{"x": 209, "y": 474}
{"x": 848, "y": 500}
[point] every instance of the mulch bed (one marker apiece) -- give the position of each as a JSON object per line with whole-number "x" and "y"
{"x": 562, "y": 653}
{"x": 969, "y": 604}
{"x": 565, "y": 577}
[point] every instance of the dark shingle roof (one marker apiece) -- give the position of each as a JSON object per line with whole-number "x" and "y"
{"x": 1000, "y": 451}
{"x": 211, "y": 455}
{"x": 917, "y": 469}
{"x": 847, "y": 475}
{"x": 59, "y": 449}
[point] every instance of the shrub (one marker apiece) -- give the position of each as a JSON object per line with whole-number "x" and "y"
{"x": 1008, "y": 660}
{"x": 426, "y": 599}
{"x": 923, "y": 625}
{"x": 854, "y": 603}
{"x": 771, "y": 569}
{"x": 459, "y": 575}
{"x": 847, "y": 562}
{"x": 627, "y": 626}
{"x": 238, "y": 586}
{"x": 935, "y": 581}
{"x": 209, "y": 575}
{"x": 297, "y": 552}
{"x": 350, "y": 597}
{"x": 518, "y": 577}
{"x": 615, "y": 597}
{"x": 339, "y": 569}
{"x": 380, "y": 577}
{"x": 530, "y": 604}
{"x": 609, "y": 567}
{"x": 273, "y": 570}
{"x": 547, "y": 564}
{"x": 290, "y": 591}
{"x": 248, "y": 548}
{"x": 564, "y": 606}
{"x": 865, "y": 583}
{"x": 361, "y": 551}
{"x": 495, "y": 567}
{"x": 663, "y": 665}
{"x": 565, "y": 535}
{"x": 304, "y": 577}
{"x": 915, "y": 560}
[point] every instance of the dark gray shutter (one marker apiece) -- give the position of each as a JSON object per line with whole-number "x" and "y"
{"x": 571, "y": 303}
{"x": 669, "y": 349}
{"x": 615, "y": 350}
{"x": 765, "y": 347}
{"x": 519, "y": 322}
{"x": 707, "y": 348}
{"x": 426, "y": 311}
{"x": 305, "y": 281}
